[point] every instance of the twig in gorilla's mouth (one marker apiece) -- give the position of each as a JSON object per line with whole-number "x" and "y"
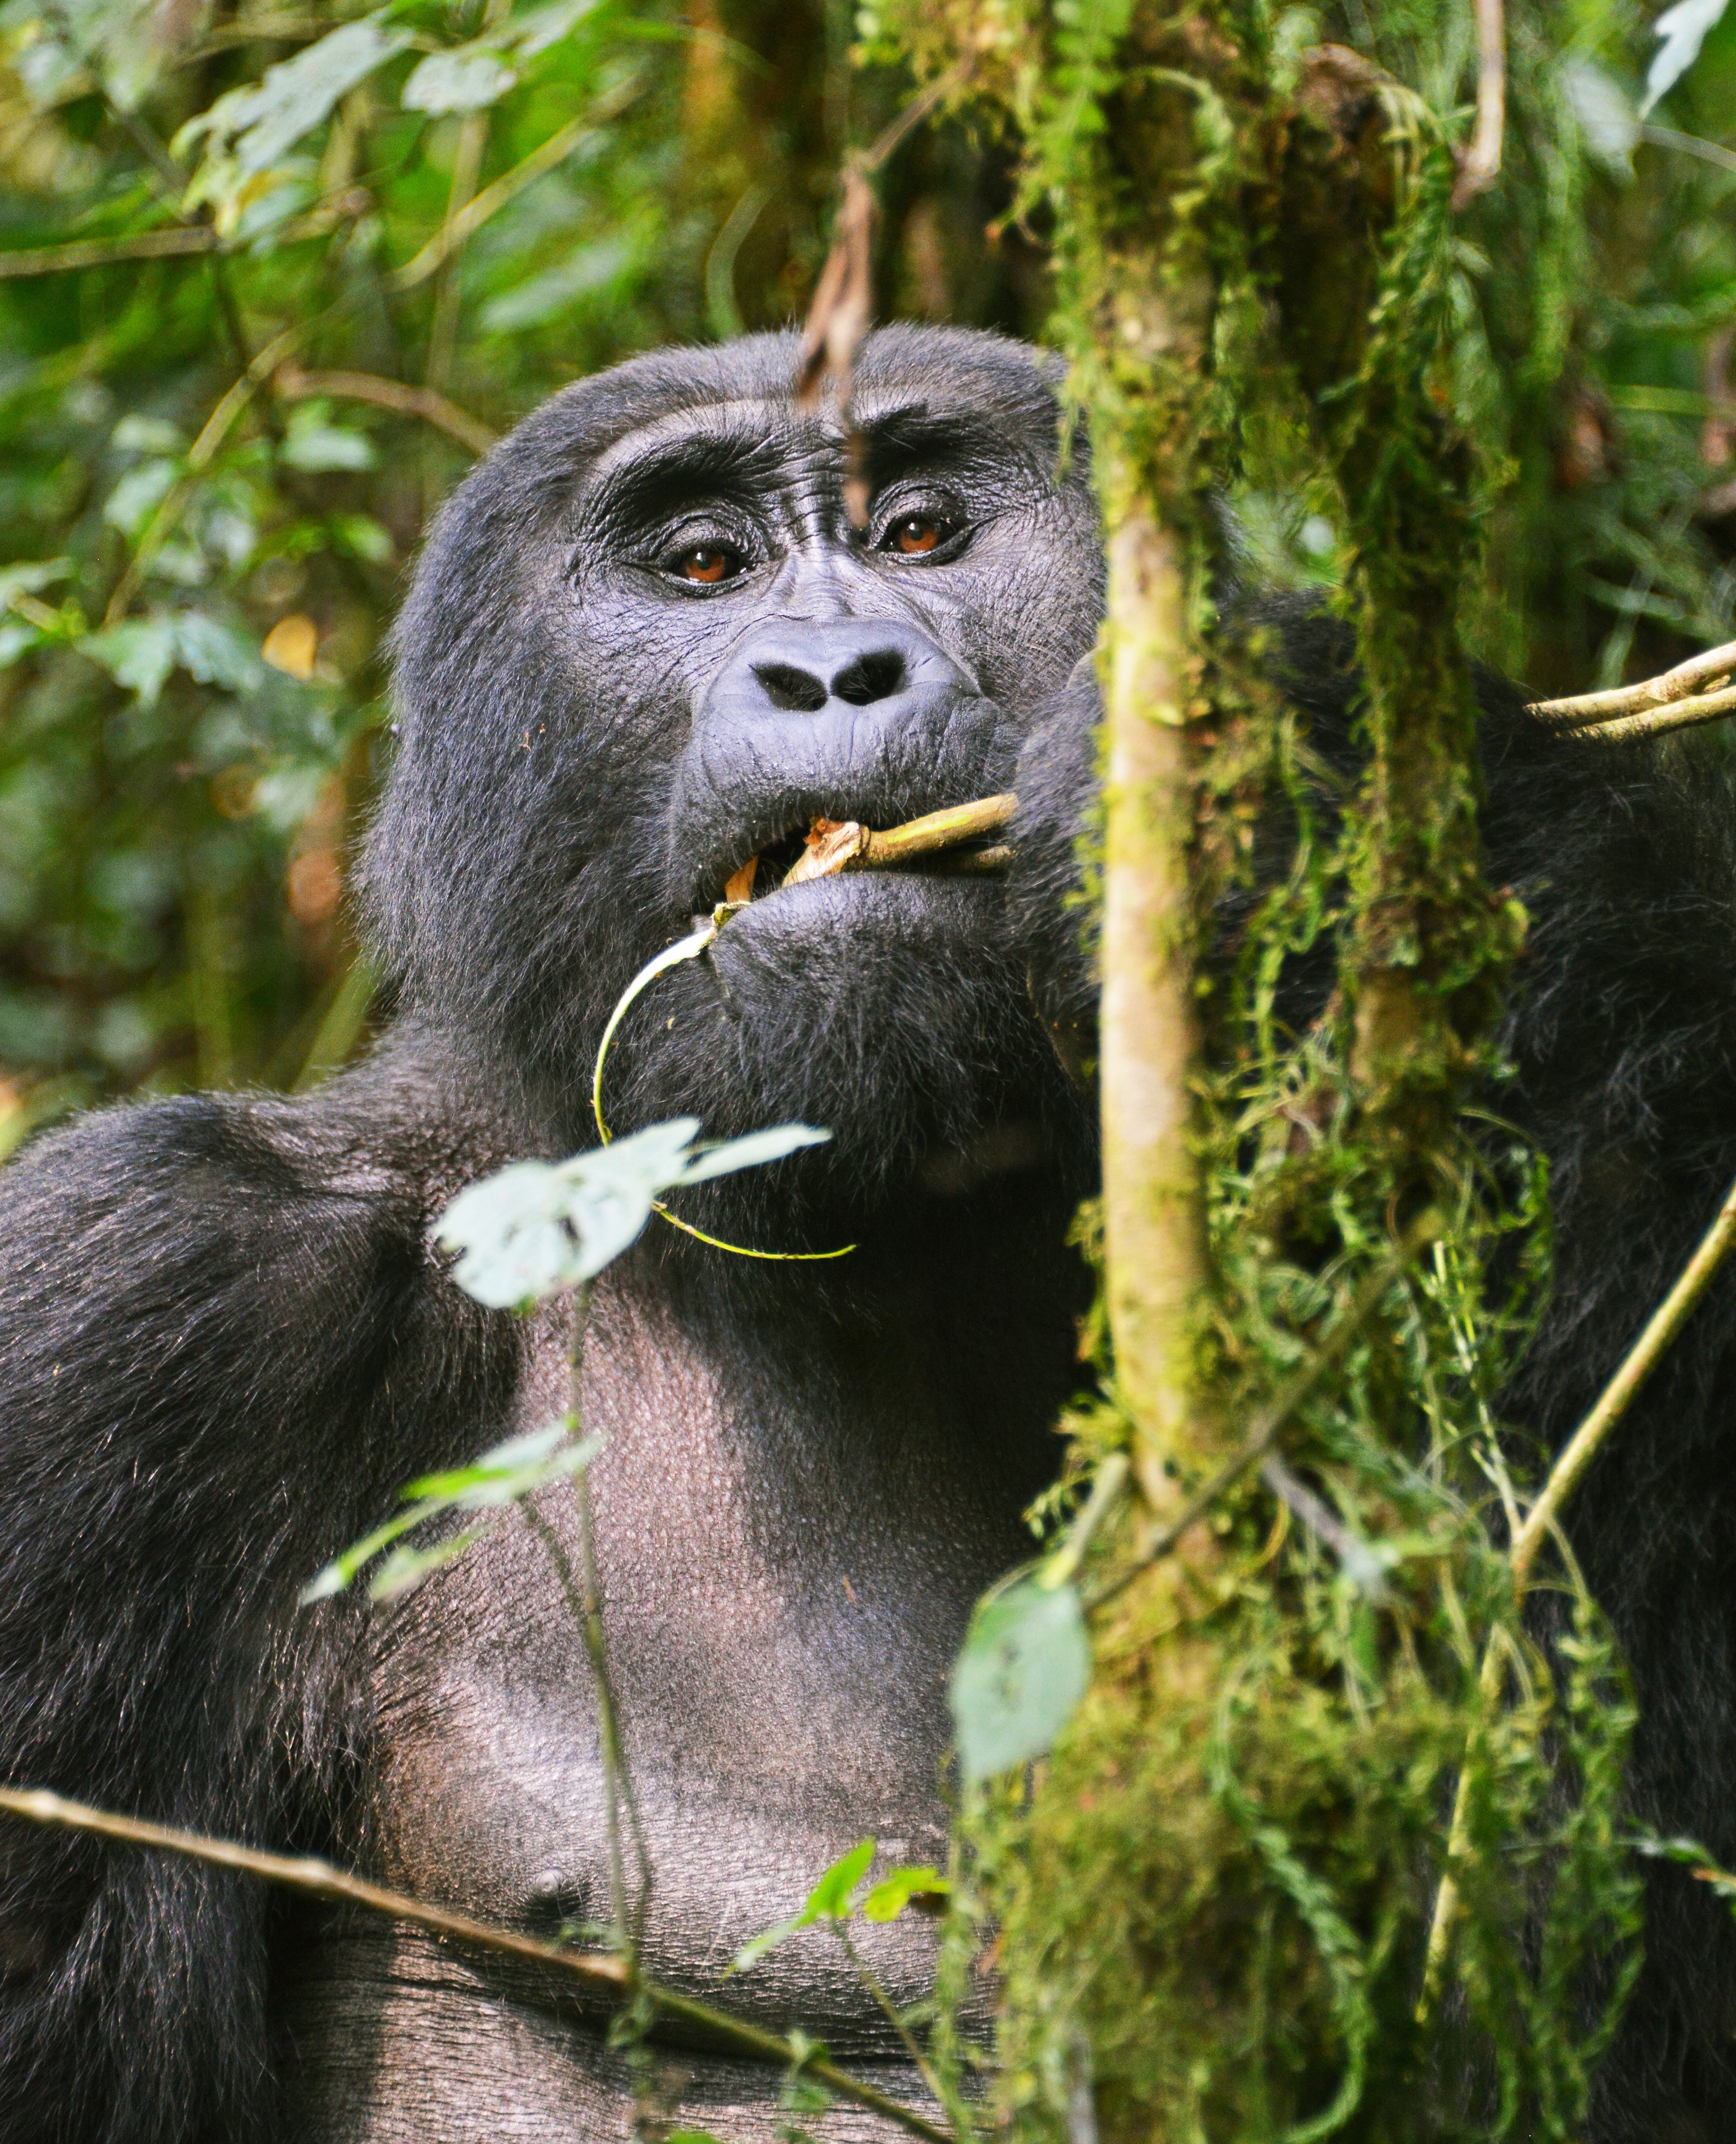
{"x": 831, "y": 845}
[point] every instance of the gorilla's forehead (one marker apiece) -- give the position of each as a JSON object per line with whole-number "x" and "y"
{"x": 918, "y": 381}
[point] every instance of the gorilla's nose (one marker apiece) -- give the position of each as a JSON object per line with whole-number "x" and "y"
{"x": 799, "y": 668}
{"x": 856, "y": 718}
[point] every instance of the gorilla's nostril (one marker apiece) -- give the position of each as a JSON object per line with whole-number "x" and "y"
{"x": 870, "y": 677}
{"x": 798, "y": 692}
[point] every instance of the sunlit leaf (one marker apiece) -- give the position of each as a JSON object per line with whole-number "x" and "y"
{"x": 29, "y": 575}
{"x": 1605, "y": 112}
{"x": 897, "y": 1889}
{"x": 464, "y": 81}
{"x": 138, "y": 496}
{"x": 749, "y": 1151}
{"x": 1684, "y": 29}
{"x": 829, "y": 1900}
{"x": 214, "y": 653}
{"x": 1025, "y": 1665}
{"x": 509, "y": 1470}
{"x": 542, "y": 26}
{"x": 537, "y": 1226}
{"x": 406, "y": 1568}
{"x": 265, "y": 121}
{"x": 138, "y": 653}
{"x": 313, "y": 443}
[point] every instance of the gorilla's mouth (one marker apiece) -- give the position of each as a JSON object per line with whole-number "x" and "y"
{"x": 959, "y": 840}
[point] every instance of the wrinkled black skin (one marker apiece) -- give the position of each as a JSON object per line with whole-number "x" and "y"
{"x": 225, "y": 1340}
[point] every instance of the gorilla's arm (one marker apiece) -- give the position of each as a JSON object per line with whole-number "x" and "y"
{"x": 1622, "y": 1033}
{"x": 222, "y": 1348}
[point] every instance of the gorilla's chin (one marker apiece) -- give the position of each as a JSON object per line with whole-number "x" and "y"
{"x": 888, "y": 1010}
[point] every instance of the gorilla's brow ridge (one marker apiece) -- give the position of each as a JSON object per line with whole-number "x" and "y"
{"x": 733, "y": 451}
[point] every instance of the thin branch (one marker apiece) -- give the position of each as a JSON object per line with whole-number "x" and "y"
{"x": 1690, "y": 144}
{"x": 1685, "y": 715}
{"x": 1481, "y": 164}
{"x": 105, "y": 252}
{"x": 320, "y": 1879}
{"x": 1565, "y": 1477}
{"x": 316, "y": 1879}
{"x": 1713, "y": 666}
{"x": 432, "y": 407}
{"x": 459, "y": 228}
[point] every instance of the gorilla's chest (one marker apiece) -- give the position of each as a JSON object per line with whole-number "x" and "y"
{"x": 781, "y": 1610}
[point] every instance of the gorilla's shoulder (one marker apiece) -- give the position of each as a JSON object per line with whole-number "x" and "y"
{"x": 174, "y": 1269}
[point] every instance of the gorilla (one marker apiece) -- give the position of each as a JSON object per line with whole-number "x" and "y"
{"x": 645, "y": 647}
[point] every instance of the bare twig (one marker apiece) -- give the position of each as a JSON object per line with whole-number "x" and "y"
{"x": 1689, "y": 144}
{"x": 1718, "y": 435}
{"x": 432, "y": 407}
{"x": 1481, "y": 164}
{"x": 1711, "y": 668}
{"x": 1683, "y": 715}
{"x": 320, "y": 1879}
{"x": 843, "y": 845}
{"x": 1565, "y": 1477}
{"x": 106, "y": 252}
{"x": 317, "y": 1879}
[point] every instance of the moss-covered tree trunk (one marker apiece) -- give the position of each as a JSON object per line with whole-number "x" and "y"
{"x": 1215, "y": 1896}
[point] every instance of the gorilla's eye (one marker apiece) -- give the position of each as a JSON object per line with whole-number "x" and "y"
{"x": 913, "y": 533}
{"x": 709, "y": 562}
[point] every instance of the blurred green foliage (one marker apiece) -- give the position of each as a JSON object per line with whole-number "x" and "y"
{"x": 271, "y": 275}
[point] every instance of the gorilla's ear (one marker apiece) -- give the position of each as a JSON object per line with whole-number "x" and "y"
{"x": 1052, "y": 923}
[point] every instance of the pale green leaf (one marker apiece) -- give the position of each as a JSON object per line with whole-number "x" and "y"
{"x": 266, "y": 120}
{"x": 1025, "y": 1665}
{"x": 312, "y": 442}
{"x": 30, "y": 575}
{"x": 138, "y": 653}
{"x": 1684, "y": 29}
{"x": 466, "y": 80}
{"x": 896, "y": 1889}
{"x": 1608, "y": 121}
{"x": 138, "y": 494}
{"x": 749, "y": 1151}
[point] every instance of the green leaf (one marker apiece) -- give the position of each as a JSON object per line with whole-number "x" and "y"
{"x": 138, "y": 653}
{"x": 1024, "y": 1667}
{"x": 465, "y": 81}
{"x": 542, "y": 26}
{"x": 896, "y": 1889}
{"x": 266, "y": 120}
{"x": 829, "y": 1900}
{"x": 1609, "y": 124}
{"x": 538, "y": 1226}
{"x": 30, "y": 575}
{"x": 749, "y": 1151}
{"x": 1684, "y": 29}
{"x": 138, "y": 494}
{"x": 214, "y": 654}
{"x": 313, "y": 443}
{"x": 540, "y": 298}
{"x": 406, "y": 1568}
{"x": 516, "y": 1468}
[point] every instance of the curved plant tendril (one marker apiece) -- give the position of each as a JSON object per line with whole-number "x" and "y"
{"x": 689, "y": 948}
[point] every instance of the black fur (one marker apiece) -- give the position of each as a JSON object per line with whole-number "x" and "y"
{"x": 225, "y": 1340}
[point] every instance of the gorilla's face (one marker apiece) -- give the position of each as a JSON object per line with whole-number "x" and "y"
{"x": 647, "y": 648}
